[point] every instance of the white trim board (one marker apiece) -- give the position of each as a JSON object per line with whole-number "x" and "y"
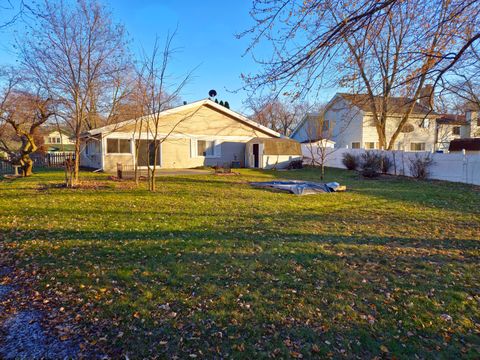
{"x": 145, "y": 136}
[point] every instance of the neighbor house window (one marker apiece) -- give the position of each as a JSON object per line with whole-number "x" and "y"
{"x": 355, "y": 145}
{"x": 425, "y": 123}
{"x": 456, "y": 130}
{"x": 417, "y": 146}
{"x": 54, "y": 140}
{"x": 369, "y": 145}
{"x": 118, "y": 146}
{"x": 205, "y": 148}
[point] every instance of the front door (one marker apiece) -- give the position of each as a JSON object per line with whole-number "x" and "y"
{"x": 256, "y": 150}
{"x": 146, "y": 152}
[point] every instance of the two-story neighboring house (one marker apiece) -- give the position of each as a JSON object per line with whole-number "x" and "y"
{"x": 56, "y": 141}
{"x": 452, "y": 127}
{"x": 449, "y": 127}
{"x": 349, "y": 122}
{"x": 471, "y": 129}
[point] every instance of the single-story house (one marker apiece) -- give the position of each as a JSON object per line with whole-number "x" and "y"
{"x": 272, "y": 153}
{"x": 202, "y": 133}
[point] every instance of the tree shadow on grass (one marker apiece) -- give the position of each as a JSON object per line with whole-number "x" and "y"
{"x": 290, "y": 293}
{"x": 248, "y": 236}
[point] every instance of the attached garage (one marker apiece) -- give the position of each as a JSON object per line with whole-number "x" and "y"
{"x": 270, "y": 153}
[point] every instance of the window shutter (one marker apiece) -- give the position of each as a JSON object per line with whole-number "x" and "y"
{"x": 193, "y": 148}
{"x": 217, "y": 149}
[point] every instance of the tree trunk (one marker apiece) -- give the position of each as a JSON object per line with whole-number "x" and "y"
{"x": 152, "y": 179}
{"x": 28, "y": 147}
{"x": 76, "y": 165}
{"x": 27, "y": 165}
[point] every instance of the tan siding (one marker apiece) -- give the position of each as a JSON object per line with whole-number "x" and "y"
{"x": 111, "y": 161}
{"x": 202, "y": 121}
{"x": 176, "y": 154}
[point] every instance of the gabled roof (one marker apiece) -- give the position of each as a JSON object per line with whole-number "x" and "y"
{"x": 395, "y": 105}
{"x": 451, "y": 119}
{"x": 60, "y": 147}
{"x": 239, "y": 117}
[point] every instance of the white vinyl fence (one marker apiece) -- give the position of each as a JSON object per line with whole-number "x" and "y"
{"x": 456, "y": 167}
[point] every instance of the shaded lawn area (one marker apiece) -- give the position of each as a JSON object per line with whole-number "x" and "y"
{"x": 210, "y": 267}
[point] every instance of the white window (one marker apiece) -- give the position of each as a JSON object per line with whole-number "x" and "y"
{"x": 118, "y": 146}
{"x": 425, "y": 123}
{"x": 355, "y": 145}
{"x": 456, "y": 130}
{"x": 369, "y": 145}
{"x": 417, "y": 146}
{"x": 205, "y": 148}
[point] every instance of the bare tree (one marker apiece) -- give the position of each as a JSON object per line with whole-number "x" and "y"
{"x": 21, "y": 115}
{"x": 462, "y": 87}
{"x": 275, "y": 114}
{"x": 134, "y": 107}
{"x": 11, "y": 12}
{"x": 78, "y": 54}
{"x": 382, "y": 48}
{"x": 161, "y": 92}
{"x": 320, "y": 130}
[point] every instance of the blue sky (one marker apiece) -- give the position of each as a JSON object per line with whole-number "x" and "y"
{"x": 205, "y": 37}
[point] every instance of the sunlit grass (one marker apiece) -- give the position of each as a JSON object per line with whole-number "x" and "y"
{"x": 212, "y": 267}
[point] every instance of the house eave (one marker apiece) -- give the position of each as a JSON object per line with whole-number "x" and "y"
{"x": 206, "y": 102}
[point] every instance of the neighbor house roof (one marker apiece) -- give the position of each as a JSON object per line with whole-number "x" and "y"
{"x": 239, "y": 117}
{"x": 310, "y": 141}
{"x": 472, "y": 144}
{"x": 279, "y": 146}
{"x": 395, "y": 105}
{"x": 60, "y": 147}
{"x": 451, "y": 119}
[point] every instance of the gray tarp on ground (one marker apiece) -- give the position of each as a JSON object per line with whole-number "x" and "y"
{"x": 298, "y": 187}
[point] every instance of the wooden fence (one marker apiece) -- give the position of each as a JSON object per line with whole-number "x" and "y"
{"x": 39, "y": 161}
{"x": 5, "y": 167}
{"x": 51, "y": 160}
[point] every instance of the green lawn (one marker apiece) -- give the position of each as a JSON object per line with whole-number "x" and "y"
{"x": 209, "y": 267}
